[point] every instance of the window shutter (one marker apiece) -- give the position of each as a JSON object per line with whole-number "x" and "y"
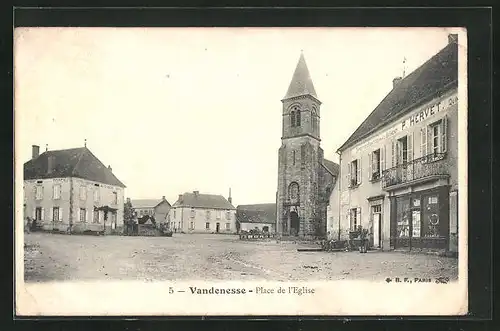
{"x": 34, "y": 213}
{"x": 78, "y": 215}
{"x": 51, "y": 214}
{"x": 349, "y": 218}
{"x": 393, "y": 143}
{"x": 86, "y": 215}
{"x": 382, "y": 159}
{"x": 60, "y": 214}
{"x": 370, "y": 165}
{"x": 444, "y": 134}
{"x": 410, "y": 147}
{"x": 358, "y": 216}
{"x": 423, "y": 141}
{"x": 358, "y": 174}
{"x": 43, "y": 214}
{"x": 349, "y": 170}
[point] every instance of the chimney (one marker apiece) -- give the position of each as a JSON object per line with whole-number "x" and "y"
{"x": 229, "y": 198}
{"x": 452, "y": 38}
{"x": 110, "y": 169}
{"x": 163, "y": 198}
{"x": 50, "y": 164}
{"x": 180, "y": 198}
{"x": 35, "y": 151}
{"x": 196, "y": 192}
{"x": 396, "y": 81}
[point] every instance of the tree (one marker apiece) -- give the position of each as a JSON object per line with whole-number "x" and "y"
{"x": 128, "y": 215}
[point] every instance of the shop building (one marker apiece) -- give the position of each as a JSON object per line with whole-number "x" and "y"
{"x": 399, "y": 170}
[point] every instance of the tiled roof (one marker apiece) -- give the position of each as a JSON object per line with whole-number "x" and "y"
{"x": 331, "y": 166}
{"x": 301, "y": 83}
{"x": 146, "y": 203}
{"x": 259, "y": 213}
{"x": 74, "y": 162}
{"x": 199, "y": 200}
{"x": 434, "y": 77}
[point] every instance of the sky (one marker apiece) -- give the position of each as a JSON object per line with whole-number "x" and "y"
{"x": 174, "y": 110}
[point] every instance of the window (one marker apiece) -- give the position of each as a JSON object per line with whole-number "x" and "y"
{"x": 55, "y": 214}
{"x": 174, "y": 214}
{"x": 376, "y": 164}
{"x": 207, "y": 225}
{"x": 83, "y": 215}
{"x": 354, "y": 173}
{"x": 434, "y": 138}
{"x": 193, "y": 212}
{"x": 228, "y": 215}
{"x": 191, "y": 225}
{"x": 295, "y": 118}
{"x": 293, "y": 157}
{"x": 39, "y": 192}
{"x": 83, "y": 193}
{"x": 97, "y": 194}
{"x": 56, "y": 193}
{"x": 208, "y": 214}
{"x": 293, "y": 192}
{"x": 303, "y": 153}
{"x": 228, "y": 226}
{"x": 96, "y": 216}
{"x": 402, "y": 150}
{"x": 354, "y": 218}
{"x": 403, "y": 215}
{"x": 218, "y": 214}
{"x": 314, "y": 120}
{"x": 115, "y": 198}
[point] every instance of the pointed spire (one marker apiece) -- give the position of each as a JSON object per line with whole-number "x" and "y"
{"x": 85, "y": 143}
{"x": 301, "y": 83}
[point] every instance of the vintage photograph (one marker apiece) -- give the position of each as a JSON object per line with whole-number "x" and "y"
{"x": 194, "y": 157}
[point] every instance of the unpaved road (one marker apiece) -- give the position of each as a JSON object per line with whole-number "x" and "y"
{"x": 53, "y": 257}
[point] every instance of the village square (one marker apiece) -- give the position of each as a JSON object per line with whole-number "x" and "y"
{"x": 388, "y": 208}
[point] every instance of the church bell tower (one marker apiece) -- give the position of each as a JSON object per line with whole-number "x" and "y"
{"x": 299, "y": 157}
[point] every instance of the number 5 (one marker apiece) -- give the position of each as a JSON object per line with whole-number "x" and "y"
{"x": 170, "y": 290}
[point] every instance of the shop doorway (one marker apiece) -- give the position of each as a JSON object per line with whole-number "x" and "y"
{"x": 294, "y": 223}
{"x": 217, "y": 227}
{"x": 377, "y": 226}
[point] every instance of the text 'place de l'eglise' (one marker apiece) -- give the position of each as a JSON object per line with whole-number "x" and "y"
{"x": 396, "y": 184}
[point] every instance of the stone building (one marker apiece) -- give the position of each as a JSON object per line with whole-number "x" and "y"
{"x": 202, "y": 213}
{"x": 261, "y": 216}
{"x": 305, "y": 178}
{"x": 70, "y": 190}
{"x": 158, "y": 208}
{"x": 399, "y": 169}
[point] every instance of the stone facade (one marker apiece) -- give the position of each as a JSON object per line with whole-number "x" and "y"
{"x": 304, "y": 183}
{"x": 195, "y": 219}
{"x": 72, "y": 197}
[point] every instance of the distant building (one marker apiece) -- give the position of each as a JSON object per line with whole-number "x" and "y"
{"x": 261, "y": 216}
{"x": 71, "y": 190}
{"x": 202, "y": 213}
{"x": 158, "y": 208}
{"x": 399, "y": 169}
{"x": 305, "y": 178}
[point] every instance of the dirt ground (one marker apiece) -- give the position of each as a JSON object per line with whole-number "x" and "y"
{"x": 54, "y": 257}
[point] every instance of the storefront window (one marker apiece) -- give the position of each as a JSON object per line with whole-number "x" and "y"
{"x": 431, "y": 216}
{"x": 416, "y": 223}
{"x": 403, "y": 217}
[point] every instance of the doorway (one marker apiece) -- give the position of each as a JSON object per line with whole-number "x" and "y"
{"x": 294, "y": 223}
{"x": 217, "y": 227}
{"x": 377, "y": 228}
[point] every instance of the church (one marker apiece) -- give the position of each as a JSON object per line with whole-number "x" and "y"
{"x": 305, "y": 178}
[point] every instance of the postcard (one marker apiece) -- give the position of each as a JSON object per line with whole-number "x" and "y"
{"x": 240, "y": 171}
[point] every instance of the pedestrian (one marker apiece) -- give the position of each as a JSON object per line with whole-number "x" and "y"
{"x": 28, "y": 224}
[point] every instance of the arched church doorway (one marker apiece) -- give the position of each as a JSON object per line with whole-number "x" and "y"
{"x": 294, "y": 223}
